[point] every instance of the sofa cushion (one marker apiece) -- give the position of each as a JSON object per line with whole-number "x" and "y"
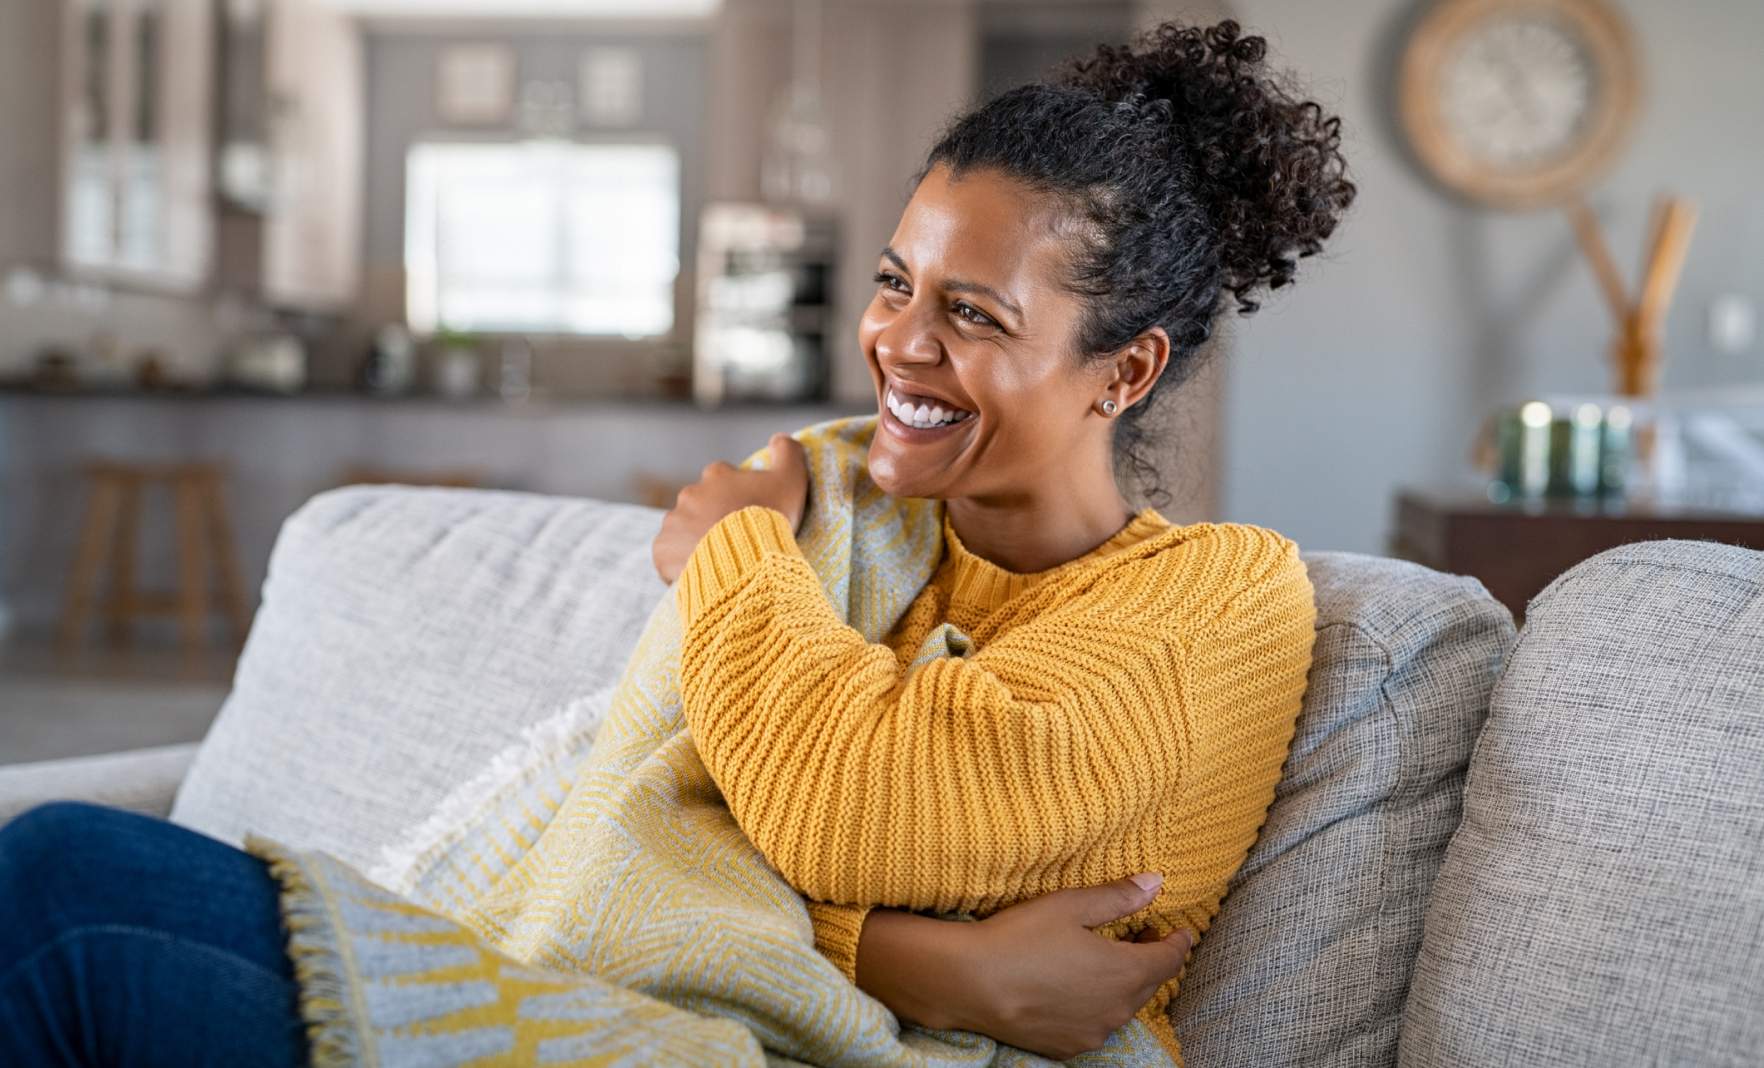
{"x": 406, "y": 637}
{"x": 1308, "y": 960}
{"x": 1603, "y": 902}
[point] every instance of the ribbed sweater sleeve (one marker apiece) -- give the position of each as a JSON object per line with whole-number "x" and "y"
{"x": 1125, "y": 718}
{"x": 970, "y": 779}
{"x": 1243, "y": 684}
{"x": 837, "y": 928}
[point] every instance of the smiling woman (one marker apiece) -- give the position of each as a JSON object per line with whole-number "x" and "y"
{"x": 1081, "y": 692}
{"x": 1055, "y": 716}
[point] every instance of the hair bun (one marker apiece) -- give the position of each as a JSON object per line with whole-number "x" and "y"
{"x": 1265, "y": 165}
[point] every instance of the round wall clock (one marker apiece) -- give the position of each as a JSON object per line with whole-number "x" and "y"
{"x": 1519, "y": 103}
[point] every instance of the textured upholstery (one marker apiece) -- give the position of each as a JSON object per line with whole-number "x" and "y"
{"x": 1603, "y": 902}
{"x": 406, "y": 637}
{"x": 1308, "y": 960}
{"x": 409, "y": 636}
{"x": 142, "y": 780}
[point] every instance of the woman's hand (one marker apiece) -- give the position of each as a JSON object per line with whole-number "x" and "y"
{"x": 723, "y": 488}
{"x": 1035, "y": 976}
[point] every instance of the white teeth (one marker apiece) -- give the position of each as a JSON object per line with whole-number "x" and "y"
{"x": 923, "y": 416}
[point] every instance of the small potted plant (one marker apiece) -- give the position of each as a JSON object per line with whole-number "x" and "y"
{"x": 459, "y": 364}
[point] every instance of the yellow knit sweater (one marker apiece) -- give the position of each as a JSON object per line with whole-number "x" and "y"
{"x": 1127, "y": 711}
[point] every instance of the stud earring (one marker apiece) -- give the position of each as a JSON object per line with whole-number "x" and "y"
{"x": 1109, "y": 406}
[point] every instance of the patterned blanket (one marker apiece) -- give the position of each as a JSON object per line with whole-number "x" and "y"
{"x": 601, "y": 906}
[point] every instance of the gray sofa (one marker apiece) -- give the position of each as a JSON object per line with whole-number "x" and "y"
{"x": 1487, "y": 848}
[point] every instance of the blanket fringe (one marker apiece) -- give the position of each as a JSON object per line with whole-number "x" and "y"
{"x": 403, "y": 864}
{"x": 332, "y": 1038}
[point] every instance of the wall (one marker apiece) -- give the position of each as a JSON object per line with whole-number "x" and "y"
{"x": 1425, "y": 313}
{"x": 1021, "y": 41}
{"x": 401, "y": 110}
{"x": 30, "y": 150}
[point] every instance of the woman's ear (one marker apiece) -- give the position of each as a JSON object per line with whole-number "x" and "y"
{"x": 1135, "y": 368}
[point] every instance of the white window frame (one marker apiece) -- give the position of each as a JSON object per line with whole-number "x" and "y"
{"x": 424, "y": 162}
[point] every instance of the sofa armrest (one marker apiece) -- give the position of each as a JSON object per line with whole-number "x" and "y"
{"x": 141, "y": 780}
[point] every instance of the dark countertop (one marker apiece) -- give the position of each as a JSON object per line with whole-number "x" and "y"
{"x": 536, "y": 404}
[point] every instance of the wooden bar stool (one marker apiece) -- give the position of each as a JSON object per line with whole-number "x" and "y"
{"x": 113, "y": 520}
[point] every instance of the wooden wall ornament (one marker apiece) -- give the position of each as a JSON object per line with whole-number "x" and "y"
{"x": 1519, "y": 103}
{"x": 1637, "y": 350}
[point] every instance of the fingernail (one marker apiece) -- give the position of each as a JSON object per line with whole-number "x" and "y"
{"x": 1147, "y": 881}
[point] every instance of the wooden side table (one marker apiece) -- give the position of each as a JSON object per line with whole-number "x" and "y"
{"x": 1517, "y": 548}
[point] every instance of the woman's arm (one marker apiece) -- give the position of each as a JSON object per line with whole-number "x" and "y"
{"x": 1035, "y": 976}
{"x": 970, "y": 777}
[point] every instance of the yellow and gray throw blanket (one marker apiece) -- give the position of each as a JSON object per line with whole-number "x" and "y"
{"x": 603, "y": 907}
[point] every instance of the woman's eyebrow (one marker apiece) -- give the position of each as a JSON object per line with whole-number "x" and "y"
{"x": 956, "y": 285}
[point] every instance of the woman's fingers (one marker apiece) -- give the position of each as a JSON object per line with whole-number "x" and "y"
{"x": 790, "y": 467}
{"x": 1093, "y": 906}
{"x": 723, "y": 488}
{"x": 786, "y": 449}
{"x": 1045, "y": 982}
{"x": 1164, "y": 958}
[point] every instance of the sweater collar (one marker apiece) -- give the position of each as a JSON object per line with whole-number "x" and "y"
{"x": 979, "y": 582}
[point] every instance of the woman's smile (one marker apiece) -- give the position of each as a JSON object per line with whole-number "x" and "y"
{"x": 914, "y": 415}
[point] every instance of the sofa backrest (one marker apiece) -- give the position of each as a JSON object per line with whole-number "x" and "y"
{"x": 406, "y": 637}
{"x": 1603, "y": 902}
{"x": 410, "y": 637}
{"x": 1308, "y": 960}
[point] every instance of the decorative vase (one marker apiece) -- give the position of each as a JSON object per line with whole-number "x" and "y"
{"x": 458, "y": 370}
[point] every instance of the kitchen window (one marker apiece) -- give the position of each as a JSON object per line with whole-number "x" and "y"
{"x": 542, "y": 237}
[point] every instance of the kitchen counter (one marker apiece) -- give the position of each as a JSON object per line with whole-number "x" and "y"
{"x": 279, "y": 450}
{"x": 538, "y": 403}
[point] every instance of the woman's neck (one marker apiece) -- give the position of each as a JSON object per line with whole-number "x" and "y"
{"x": 1034, "y": 534}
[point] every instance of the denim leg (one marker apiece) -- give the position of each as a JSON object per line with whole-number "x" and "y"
{"x": 129, "y": 941}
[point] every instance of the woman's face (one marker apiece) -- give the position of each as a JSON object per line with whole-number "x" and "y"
{"x": 969, "y": 342}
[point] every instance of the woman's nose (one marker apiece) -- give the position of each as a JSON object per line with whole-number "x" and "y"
{"x": 908, "y": 339}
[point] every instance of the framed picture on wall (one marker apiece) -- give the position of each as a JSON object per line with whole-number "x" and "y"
{"x": 474, "y": 84}
{"x": 611, "y": 87}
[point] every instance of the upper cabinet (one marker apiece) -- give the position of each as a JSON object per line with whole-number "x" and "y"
{"x": 315, "y": 104}
{"x": 178, "y": 114}
{"x": 137, "y": 92}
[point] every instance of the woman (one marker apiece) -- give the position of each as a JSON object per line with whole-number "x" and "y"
{"x": 1057, "y": 268}
{"x": 1124, "y": 689}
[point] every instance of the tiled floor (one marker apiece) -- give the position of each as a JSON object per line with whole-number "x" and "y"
{"x": 101, "y": 699}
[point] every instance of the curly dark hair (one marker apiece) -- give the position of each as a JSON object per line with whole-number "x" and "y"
{"x": 1187, "y": 169}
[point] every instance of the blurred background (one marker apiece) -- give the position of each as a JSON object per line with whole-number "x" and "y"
{"x": 254, "y": 249}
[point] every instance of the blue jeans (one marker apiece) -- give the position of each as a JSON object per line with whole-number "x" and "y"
{"x": 126, "y": 940}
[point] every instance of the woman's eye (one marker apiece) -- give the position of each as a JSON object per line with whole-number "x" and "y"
{"x": 974, "y": 315}
{"x": 889, "y": 280}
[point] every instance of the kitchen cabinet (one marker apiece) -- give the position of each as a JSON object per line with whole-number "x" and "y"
{"x": 315, "y": 99}
{"x": 136, "y": 91}
{"x": 146, "y": 85}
